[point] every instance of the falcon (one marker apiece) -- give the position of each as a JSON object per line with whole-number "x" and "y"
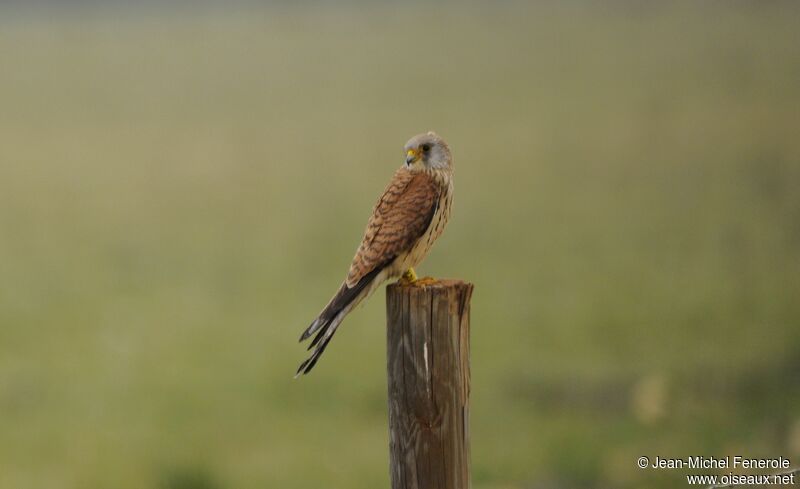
{"x": 407, "y": 219}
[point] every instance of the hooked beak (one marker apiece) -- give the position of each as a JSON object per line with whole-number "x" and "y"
{"x": 411, "y": 156}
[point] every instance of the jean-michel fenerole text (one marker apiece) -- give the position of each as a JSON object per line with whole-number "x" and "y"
{"x": 734, "y": 462}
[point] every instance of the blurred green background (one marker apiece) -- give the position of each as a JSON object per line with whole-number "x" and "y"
{"x": 182, "y": 188}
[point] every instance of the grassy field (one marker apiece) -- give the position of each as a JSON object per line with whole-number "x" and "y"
{"x": 180, "y": 193}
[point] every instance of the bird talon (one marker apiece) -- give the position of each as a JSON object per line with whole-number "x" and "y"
{"x": 408, "y": 278}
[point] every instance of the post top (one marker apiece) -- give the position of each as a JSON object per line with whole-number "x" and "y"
{"x": 431, "y": 283}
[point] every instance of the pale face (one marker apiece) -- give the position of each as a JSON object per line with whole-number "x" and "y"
{"x": 427, "y": 151}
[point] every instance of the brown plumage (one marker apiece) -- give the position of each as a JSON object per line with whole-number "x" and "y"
{"x": 400, "y": 217}
{"x": 406, "y": 220}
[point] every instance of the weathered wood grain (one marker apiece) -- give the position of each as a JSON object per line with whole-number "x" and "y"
{"x": 428, "y": 367}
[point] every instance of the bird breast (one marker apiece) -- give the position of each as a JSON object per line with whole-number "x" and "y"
{"x": 423, "y": 245}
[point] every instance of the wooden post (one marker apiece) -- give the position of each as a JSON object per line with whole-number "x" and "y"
{"x": 428, "y": 366}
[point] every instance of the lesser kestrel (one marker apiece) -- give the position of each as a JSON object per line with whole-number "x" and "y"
{"x": 406, "y": 220}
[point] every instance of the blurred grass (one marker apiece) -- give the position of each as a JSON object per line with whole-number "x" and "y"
{"x": 180, "y": 193}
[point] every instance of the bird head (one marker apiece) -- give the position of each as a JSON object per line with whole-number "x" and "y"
{"x": 428, "y": 150}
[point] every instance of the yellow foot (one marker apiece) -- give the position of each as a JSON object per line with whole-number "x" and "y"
{"x": 408, "y": 278}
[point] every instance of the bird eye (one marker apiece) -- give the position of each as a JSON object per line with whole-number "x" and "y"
{"x": 426, "y": 147}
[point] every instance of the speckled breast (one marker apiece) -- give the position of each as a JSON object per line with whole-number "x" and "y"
{"x": 435, "y": 228}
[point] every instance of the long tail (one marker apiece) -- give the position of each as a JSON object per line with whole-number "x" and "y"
{"x": 331, "y": 317}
